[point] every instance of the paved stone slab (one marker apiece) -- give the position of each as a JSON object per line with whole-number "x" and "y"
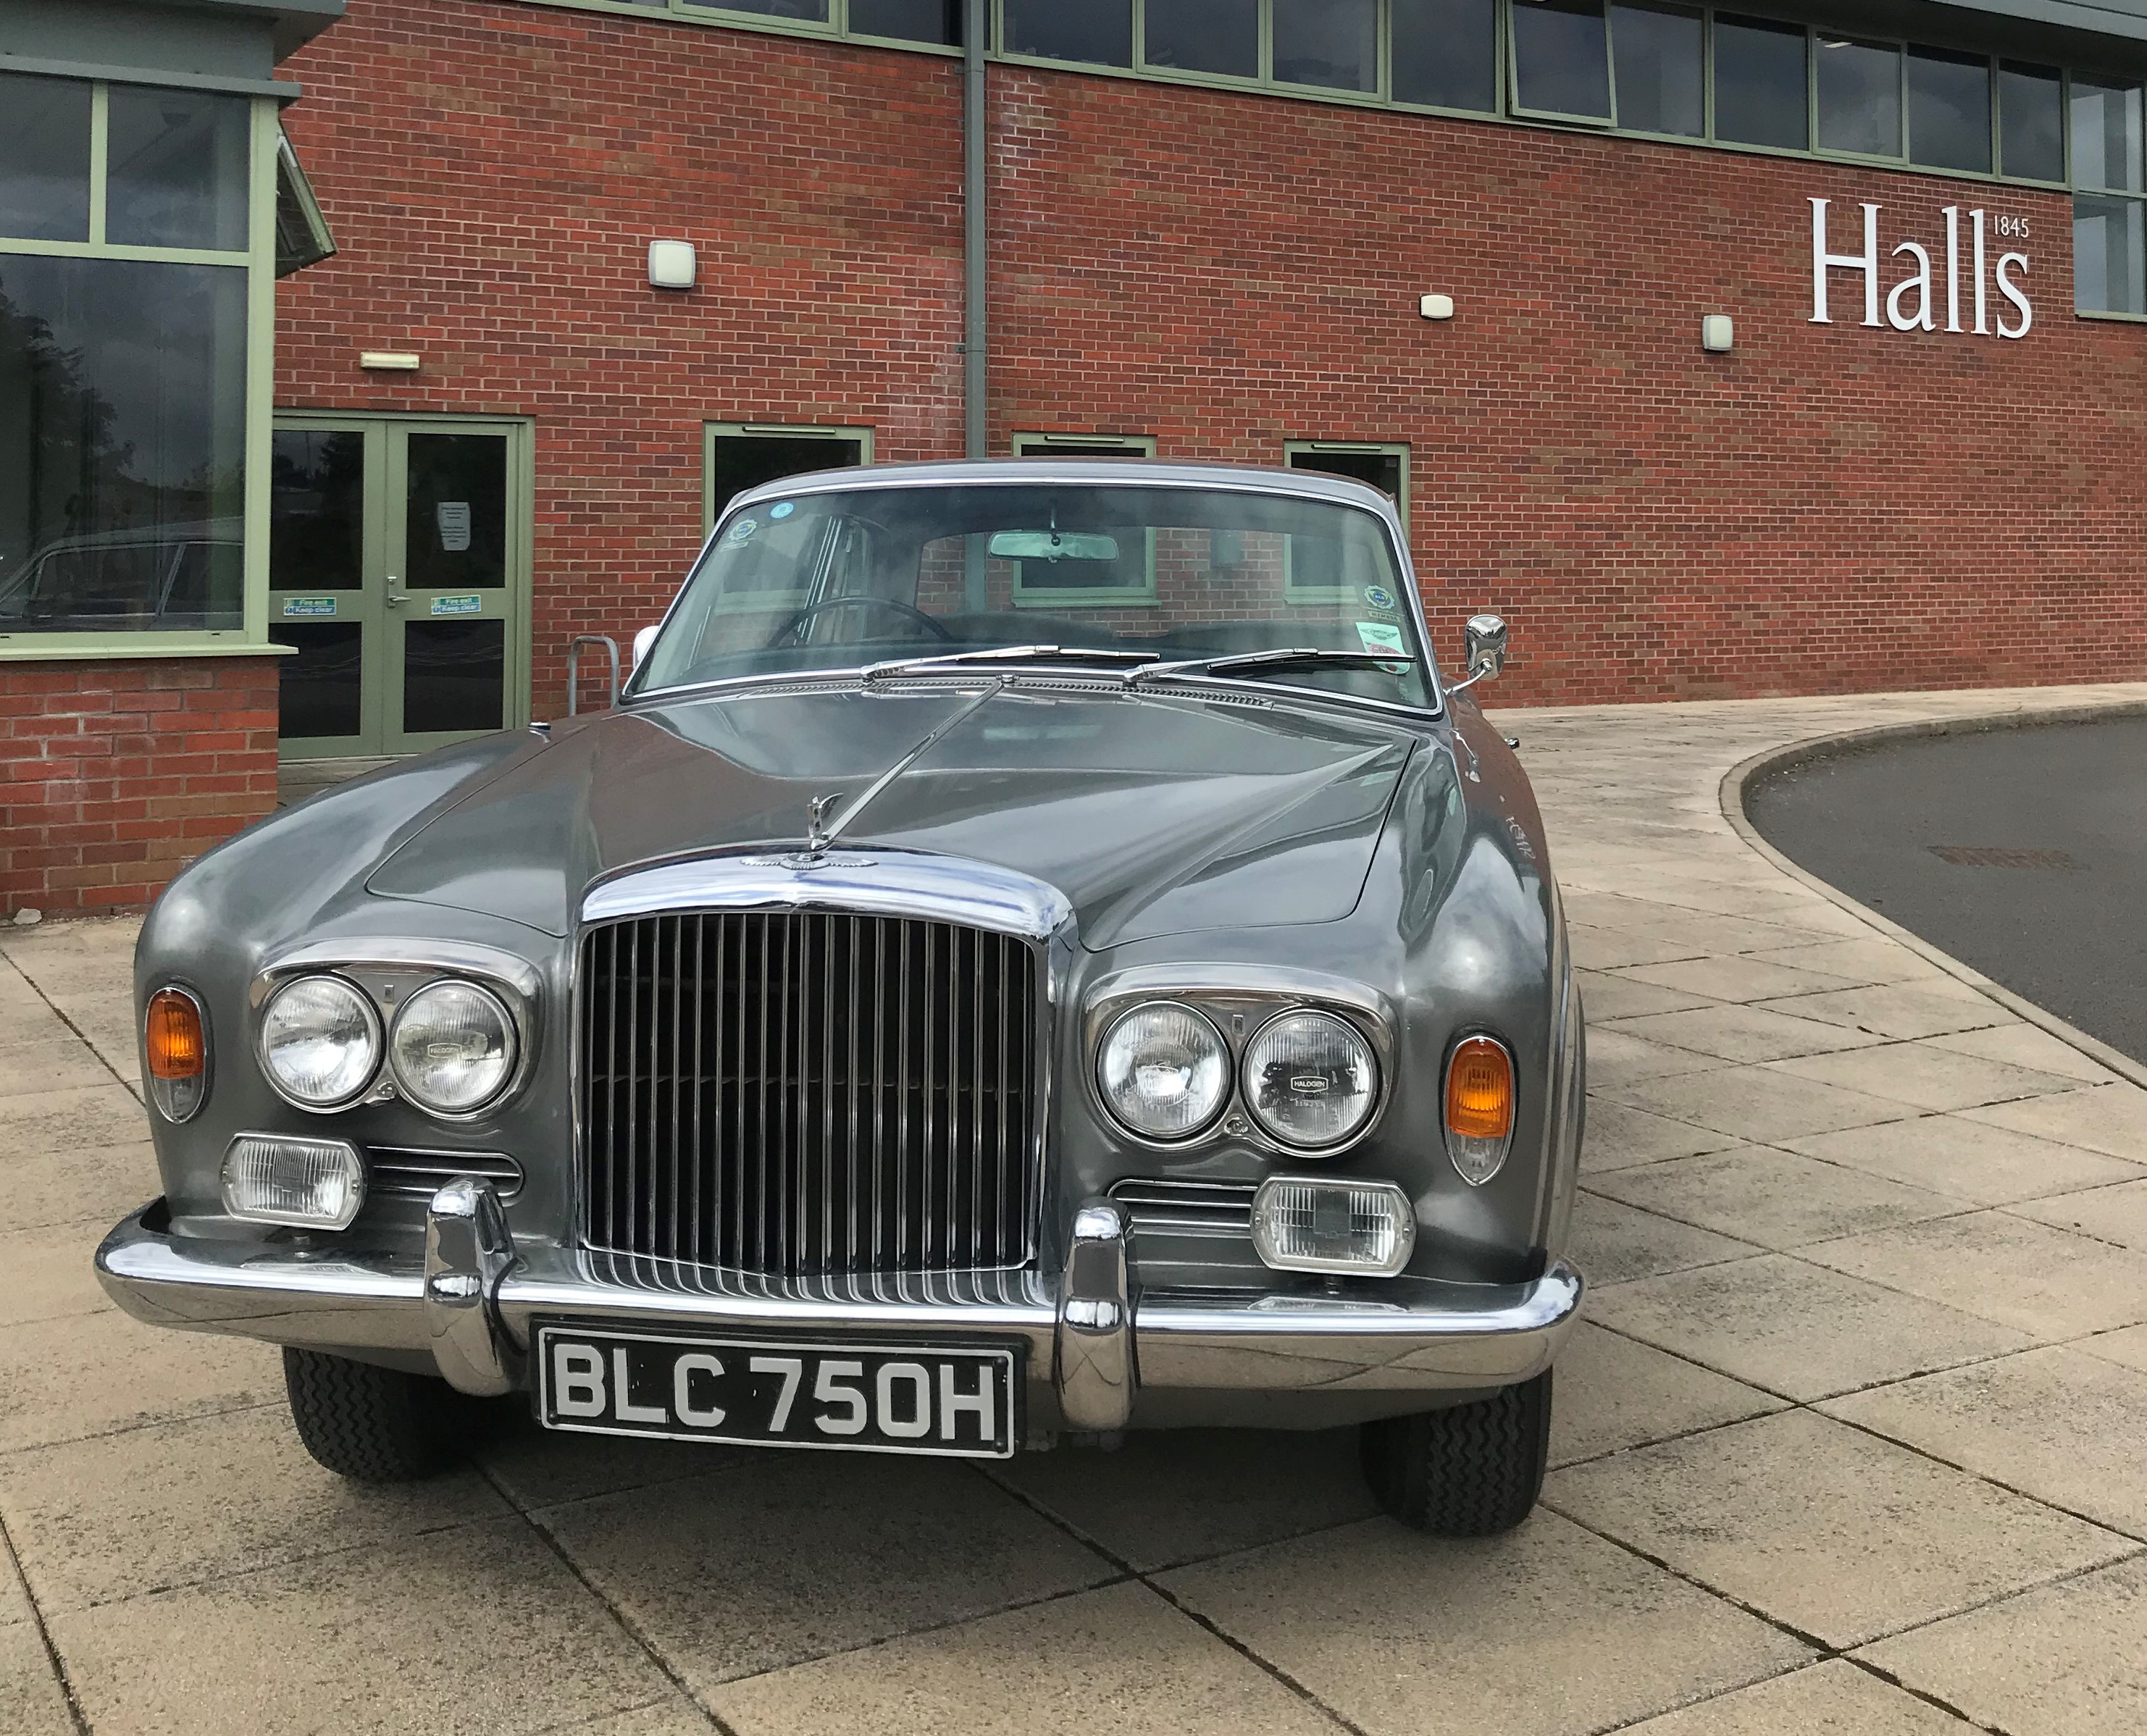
{"x": 1545, "y": 1632}
{"x": 31, "y": 1702}
{"x": 1617, "y": 1058}
{"x": 2129, "y": 1347}
{"x": 54, "y": 1059}
{"x": 1927, "y": 1008}
{"x": 2026, "y": 1275}
{"x": 1614, "y": 1242}
{"x": 2064, "y": 1427}
{"x": 1608, "y": 949}
{"x": 2116, "y": 1214}
{"x": 1618, "y": 994}
{"x": 1758, "y": 1105}
{"x": 1839, "y": 1534}
{"x": 2109, "y": 1119}
{"x": 478, "y": 1628}
{"x": 1120, "y": 1658}
{"x": 14, "y": 1595}
{"x": 1614, "y": 1393}
{"x": 1798, "y": 1329}
{"x": 149, "y": 1510}
{"x": 676, "y": 1716}
{"x": 2069, "y": 1659}
{"x": 2023, "y": 1045}
{"x": 1833, "y": 1698}
{"x": 1776, "y": 1199}
{"x": 66, "y": 1121}
{"x": 1179, "y": 1495}
{"x": 540, "y": 1467}
{"x": 1743, "y": 978}
{"x": 1870, "y": 960}
{"x": 49, "y": 1273}
{"x": 91, "y": 1373}
{"x": 811, "y": 1554}
{"x": 1617, "y": 1136}
{"x": 1743, "y": 1033}
{"x": 1969, "y": 1159}
{"x": 96, "y": 1185}
{"x": 1931, "y": 1079}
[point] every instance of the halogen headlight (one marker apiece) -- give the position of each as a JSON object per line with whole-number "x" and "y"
{"x": 1163, "y": 1070}
{"x": 453, "y": 1047}
{"x": 320, "y": 1042}
{"x": 1311, "y": 1079}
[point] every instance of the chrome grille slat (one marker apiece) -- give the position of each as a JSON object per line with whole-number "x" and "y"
{"x": 407, "y": 1173}
{"x": 746, "y": 1106}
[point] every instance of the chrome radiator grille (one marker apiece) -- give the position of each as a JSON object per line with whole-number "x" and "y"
{"x": 799, "y": 1094}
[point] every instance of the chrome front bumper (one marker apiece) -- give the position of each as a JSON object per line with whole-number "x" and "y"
{"x": 1097, "y": 1356}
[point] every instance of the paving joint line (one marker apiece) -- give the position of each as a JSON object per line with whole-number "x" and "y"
{"x": 136, "y": 1428}
{"x": 641, "y": 1643}
{"x": 81, "y": 1035}
{"x": 53, "y": 1660}
{"x": 1274, "y": 1671}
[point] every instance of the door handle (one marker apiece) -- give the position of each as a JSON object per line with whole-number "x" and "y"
{"x": 397, "y": 596}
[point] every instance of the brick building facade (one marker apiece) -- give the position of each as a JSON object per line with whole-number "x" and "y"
{"x": 1825, "y": 508}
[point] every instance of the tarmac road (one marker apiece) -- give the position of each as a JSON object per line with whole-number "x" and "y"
{"x": 2021, "y": 852}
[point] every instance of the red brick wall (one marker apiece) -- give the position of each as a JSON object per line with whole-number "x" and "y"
{"x": 114, "y": 776}
{"x": 1829, "y": 508}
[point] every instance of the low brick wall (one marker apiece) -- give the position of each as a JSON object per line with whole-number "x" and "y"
{"x": 113, "y": 776}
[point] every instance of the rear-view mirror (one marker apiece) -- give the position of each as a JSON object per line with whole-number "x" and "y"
{"x": 1053, "y": 545}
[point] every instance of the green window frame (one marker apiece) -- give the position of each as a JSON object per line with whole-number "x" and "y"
{"x": 258, "y": 260}
{"x": 712, "y": 432}
{"x": 1038, "y": 445}
{"x": 1292, "y": 451}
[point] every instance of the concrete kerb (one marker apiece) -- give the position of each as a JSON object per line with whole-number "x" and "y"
{"x": 1741, "y": 776}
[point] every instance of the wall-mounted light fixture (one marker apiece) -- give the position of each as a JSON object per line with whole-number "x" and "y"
{"x": 1436, "y": 306}
{"x": 671, "y": 265}
{"x": 388, "y": 361}
{"x": 1718, "y": 334}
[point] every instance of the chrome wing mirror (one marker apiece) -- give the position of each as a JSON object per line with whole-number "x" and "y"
{"x": 642, "y": 641}
{"x": 1486, "y": 638}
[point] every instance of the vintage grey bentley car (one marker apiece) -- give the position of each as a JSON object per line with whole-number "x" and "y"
{"x": 1036, "y": 951}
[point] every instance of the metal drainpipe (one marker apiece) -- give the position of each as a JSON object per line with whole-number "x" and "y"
{"x": 976, "y": 327}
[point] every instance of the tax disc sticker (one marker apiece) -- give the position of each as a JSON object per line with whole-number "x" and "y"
{"x": 1378, "y": 596}
{"x": 1381, "y": 635}
{"x": 782, "y": 511}
{"x": 743, "y": 529}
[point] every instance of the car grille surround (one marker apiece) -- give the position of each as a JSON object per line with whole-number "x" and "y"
{"x": 808, "y": 1093}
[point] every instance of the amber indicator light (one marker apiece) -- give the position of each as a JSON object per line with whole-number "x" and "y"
{"x": 176, "y": 1049}
{"x": 1480, "y": 1090}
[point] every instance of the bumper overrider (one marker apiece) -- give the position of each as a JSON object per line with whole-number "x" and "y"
{"x": 1098, "y": 1354}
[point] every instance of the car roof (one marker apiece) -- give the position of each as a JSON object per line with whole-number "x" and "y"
{"x": 1118, "y": 472}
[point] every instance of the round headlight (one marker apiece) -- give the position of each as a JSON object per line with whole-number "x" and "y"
{"x": 1163, "y": 1070}
{"x": 320, "y": 1042}
{"x": 1310, "y": 1080}
{"x": 453, "y": 1047}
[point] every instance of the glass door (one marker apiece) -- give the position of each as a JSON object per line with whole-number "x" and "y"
{"x": 328, "y": 487}
{"x": 450, "y": 594}
{"x": 398, "y": 572}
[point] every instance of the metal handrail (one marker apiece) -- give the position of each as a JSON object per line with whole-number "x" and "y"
{"x": 575, "y": 667}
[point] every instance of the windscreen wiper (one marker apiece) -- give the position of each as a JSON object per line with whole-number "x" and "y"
{"x": 1263, "y": 662}
{"x": 991, "y": 656}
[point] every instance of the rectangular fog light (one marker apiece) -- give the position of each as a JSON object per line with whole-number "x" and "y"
{"x": 1320, "y": 1223}
{"x": 307, "y": 1184}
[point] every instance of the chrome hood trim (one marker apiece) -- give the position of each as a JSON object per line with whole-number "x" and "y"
{"x": 877, "y": 882}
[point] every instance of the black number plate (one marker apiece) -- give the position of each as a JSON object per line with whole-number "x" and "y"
{"x": 884, "y": 1398}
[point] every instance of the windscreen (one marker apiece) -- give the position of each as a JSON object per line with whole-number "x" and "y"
{"x": 874, "y": 575}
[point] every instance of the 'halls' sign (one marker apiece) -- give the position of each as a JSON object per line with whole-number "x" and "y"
{"x": 1911, "y": 304}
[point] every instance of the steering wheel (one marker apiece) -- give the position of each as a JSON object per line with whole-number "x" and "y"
{"x": 794, "y": 629}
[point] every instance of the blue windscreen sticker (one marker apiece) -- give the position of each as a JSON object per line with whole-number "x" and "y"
{"x": 784, "y": 510}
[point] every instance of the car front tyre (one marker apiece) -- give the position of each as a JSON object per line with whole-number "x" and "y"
{"x": 1473, "y": 1470}
{"x": 373, "y": 1424}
